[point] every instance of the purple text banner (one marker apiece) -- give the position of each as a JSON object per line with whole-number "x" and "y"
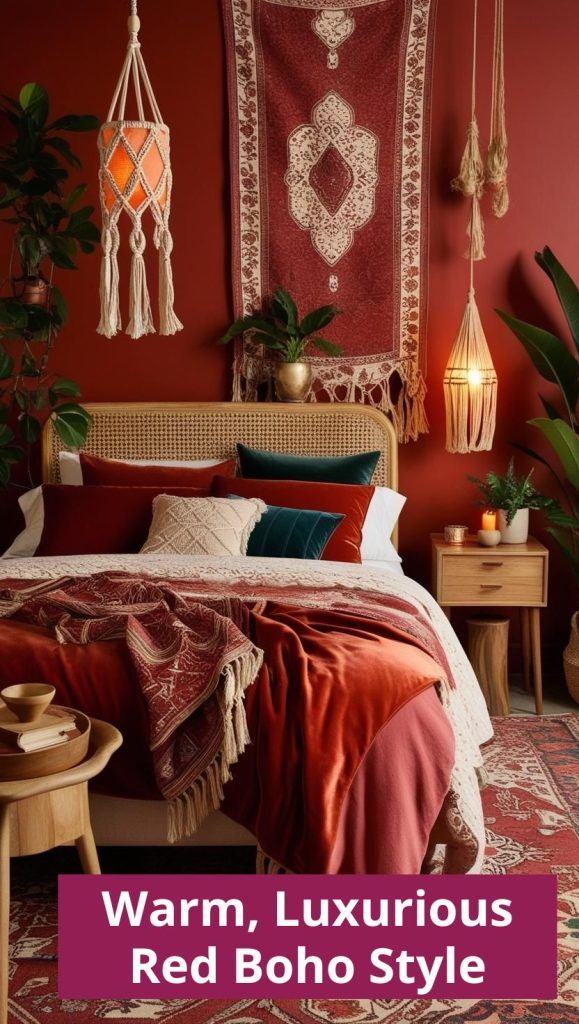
{"x": 301, "y": 936}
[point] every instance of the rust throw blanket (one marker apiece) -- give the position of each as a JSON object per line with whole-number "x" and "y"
{"x": 312, "y": 714}
{"x": 329, "y": 106}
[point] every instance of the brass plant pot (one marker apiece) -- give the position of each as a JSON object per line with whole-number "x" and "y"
{"x": 292, "y": 381}
{"x": 31, "y": 291}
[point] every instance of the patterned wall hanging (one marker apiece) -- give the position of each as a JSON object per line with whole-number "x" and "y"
{"x": 135, "y": 176}
{"x": 329, "y": 123}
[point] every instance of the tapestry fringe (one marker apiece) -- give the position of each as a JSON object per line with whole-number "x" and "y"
{"x": 187, "y": 811}
{"x": 266, "y": 865}
{"x": 339, "y": 381}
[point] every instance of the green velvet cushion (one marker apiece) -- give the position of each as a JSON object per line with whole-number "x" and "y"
{"x": 292, "y": 533}
{"x": 342, "y": 469}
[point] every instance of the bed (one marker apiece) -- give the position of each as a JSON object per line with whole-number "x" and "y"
{"x": 175, "y": 432}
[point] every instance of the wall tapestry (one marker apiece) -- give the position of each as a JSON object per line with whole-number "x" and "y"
{"x": 329, "y": 130}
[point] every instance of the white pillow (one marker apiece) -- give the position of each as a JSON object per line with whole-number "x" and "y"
{"x": 71, "y": 472}
{"x": 25, "y": 544}
{"x": 381, "y": 518}
{"x": 389, "y": 566}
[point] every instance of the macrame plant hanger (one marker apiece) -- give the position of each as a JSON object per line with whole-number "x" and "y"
{"x": 470, "y": 381}
{"x": 497, "y": 163}
{"x": 135, "y": 175}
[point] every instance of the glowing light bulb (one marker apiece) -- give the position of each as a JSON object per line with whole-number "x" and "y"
{"x": 474, "y": 376}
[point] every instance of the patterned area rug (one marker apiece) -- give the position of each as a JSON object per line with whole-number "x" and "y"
{"x": 532, "y": 814}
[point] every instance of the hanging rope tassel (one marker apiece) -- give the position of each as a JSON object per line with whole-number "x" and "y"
{"x": 470, "y": 183}
{"x": 110, "y": 321}
{"x": 497, "y": 161}
{"x": 141, "y": 320}
{"x": 168, "y": 321}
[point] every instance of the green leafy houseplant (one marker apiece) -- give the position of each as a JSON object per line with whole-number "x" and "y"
{"x": 281, "y": 331}
{"x": 510, "y": 493}
{"x": 558, "y": 363}
{"x": 49, "y": 230}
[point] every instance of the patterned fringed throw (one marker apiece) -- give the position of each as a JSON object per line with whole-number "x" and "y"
{"x": 329, "y": 125}
{"x": 193, "y": 665}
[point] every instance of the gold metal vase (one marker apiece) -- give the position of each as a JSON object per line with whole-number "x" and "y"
{"x": 292, "y": 381}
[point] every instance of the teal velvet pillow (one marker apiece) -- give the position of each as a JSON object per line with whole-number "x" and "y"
{"x": 342, "y": 469}
{"x": 292, "y": 533}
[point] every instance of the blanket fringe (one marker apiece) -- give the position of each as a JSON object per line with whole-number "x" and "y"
{"x": 187, "y": 811}
{"x": 266, "y": 865}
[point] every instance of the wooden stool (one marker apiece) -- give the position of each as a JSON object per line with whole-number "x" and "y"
{"x": 488, "y": 642}
{"x": 38, "y": 814}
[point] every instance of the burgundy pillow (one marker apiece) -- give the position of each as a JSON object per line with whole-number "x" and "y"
{"x": 349, "y": 500}
{"x": 100, "y": 520}
{"x": 108, "y": 471}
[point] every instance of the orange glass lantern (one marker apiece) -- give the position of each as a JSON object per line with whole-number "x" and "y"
{"x": 135, "y": 175}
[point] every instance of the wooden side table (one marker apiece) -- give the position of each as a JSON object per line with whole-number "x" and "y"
{"x": 507, "y": 576}
{"x": 38, "y": 814}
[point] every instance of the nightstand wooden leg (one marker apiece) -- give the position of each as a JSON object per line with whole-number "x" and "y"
{"x": 526, "y": 648}
{"x": 535, "y": 628}
{"x": 4, "y": 908}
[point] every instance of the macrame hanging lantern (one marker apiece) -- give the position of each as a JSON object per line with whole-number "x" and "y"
{"x": 470, "y": 380}
{"x": 135, "y": 176}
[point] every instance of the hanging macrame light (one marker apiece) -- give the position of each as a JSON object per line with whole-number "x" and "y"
{"x": 470, "y": 381}
{"x": 135, "y": 176}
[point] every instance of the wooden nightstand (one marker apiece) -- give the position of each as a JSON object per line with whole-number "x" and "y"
{"x": 508, "y": 576}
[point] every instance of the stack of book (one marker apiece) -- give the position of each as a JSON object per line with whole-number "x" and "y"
{"x": 54, "y": 727}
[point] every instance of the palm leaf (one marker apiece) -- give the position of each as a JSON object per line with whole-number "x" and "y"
{"x": 325, "y": 346}
{"x": 561, "y": 538}
{"x": 551, "y": 357}
{"x": 565, "y": 443}
{"x": 284, "y": 307}
{"x": 250, "y": 323}
{"x": 317, "y": 319}
{"x": 565, "y": 287}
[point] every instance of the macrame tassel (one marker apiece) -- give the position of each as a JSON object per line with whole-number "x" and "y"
{"x": 496, "y": 176}
{"x": 110, "y": 321}
{"x": 470, "y": 178}
{"x": 470, "y": 182}
{"x": 141, "y": 320}
{"x": 168, "y": 321}
{"x": 497, "y": 162}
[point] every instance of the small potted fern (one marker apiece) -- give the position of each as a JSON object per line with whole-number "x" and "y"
{"x": 512, "y": 497}
{"x": 280, "y": 331}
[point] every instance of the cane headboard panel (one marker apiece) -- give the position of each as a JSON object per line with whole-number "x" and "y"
{"x": 211, "y": 430}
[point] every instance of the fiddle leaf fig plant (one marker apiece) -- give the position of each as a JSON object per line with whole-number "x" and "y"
{"x": 281, "y": 331}
{"x": 49, "y": 230}
{"x": 557, "y": 362}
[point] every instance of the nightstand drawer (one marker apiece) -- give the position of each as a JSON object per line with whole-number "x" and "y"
{"x": 480, "y": 579}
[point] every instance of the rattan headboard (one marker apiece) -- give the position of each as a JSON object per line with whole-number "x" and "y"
{"x": 211, "y": 430}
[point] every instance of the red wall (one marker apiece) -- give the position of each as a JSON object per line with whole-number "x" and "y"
{"x": 76, "y": 51}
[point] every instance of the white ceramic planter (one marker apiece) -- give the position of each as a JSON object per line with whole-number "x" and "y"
{"x": 518, "y": 531}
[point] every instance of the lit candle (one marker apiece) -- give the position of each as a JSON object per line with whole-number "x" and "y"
{"x": 489, "y": 520}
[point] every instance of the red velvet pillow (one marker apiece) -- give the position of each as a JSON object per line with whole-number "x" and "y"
{"x": 100, "y": 520}
{"x": 350, "y": 500}
{"x": 108, "y": 471}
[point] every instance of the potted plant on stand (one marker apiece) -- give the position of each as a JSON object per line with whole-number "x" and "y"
{"x": 558, "y": 363}
{"x": 49, "y": 230}
{"x": 280, "y": 330}
{"x": 512, "y": 497}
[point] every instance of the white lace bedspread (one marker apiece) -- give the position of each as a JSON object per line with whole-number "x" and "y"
{"x": 464, "y": 704}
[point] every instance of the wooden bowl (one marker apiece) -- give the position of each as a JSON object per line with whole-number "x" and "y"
{"x": 28, "y": 701}
{"x": 36, "y": 763}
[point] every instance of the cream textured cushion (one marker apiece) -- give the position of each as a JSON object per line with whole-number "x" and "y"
{"x": 202, "y": 526}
